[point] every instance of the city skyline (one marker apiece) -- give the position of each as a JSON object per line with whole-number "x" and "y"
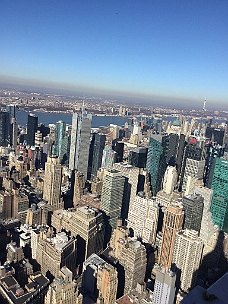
{"x": 159, "y": 51}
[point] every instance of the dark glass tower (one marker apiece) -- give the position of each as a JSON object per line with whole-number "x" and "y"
{"x": 219, "y": 204}
{"x": 4, "y": 128}
{"x": 214, "y": 152}
{"x": 31, "y": 129}
{"x": 99, "y": 144}
{"x": 138, "y": 157}
{"x": 193, "y": 211}
{"x": 157, "y": 160}
{"x": 118, "y": 147}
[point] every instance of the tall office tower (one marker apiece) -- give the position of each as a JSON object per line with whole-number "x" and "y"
{"x": 131, "y": 175}
{"x": 52, "y": 182}
{"x": 99, "y": 280}
{"x": 138, "y": 157}
{"x": 143, "y": 218}
{"x": 219, "y": 205}
{"x": 112, "y": 196}
{"x": 156, "y": 160}
{"x": 193, "y": 211}
{"x": 60, "y": 131}
{"x": 78, "y": 185}
{"x": 195, "y": 149}
{"x": 13, "y": 133}
{"x": 164, "y": 287}
{"x": 172, "y": 223}
{"x": 133, "y": 259}
{"x": 186, "y": 258}
{"x": 109, "y": 157}
{"x": 65, "y": 150}
{"x": 99, "y": 144}
{"x": 85, "y": 223}
{"x": 207, "y": 227}
{"x": 4, "y": 128}
{"x": 32, "y": 126}
{"x": 54, "y": 252}
{"x": 11, "y": 109}
{"x": 180, "y": 152}
{"x": 63, "y": 290}
{"x": 216, "y": 135}
{"x": 214, "y": 152}
{"x": 118, "y": 147}
{"x": 194, "y": 169}
{"x": 80, "y": 140}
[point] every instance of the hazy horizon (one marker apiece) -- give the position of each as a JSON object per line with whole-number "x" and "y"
{"x": 168, "y": 52}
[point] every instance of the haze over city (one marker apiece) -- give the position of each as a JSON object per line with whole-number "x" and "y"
{"x": 164, "y": 51}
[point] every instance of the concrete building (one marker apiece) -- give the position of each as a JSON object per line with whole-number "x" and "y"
{"x": 52, "y": 182}
{"x": 6, "y": 201}
{"x": 54, "y": 252}
{"x": 186, "y": 258}
{"x": 85, "y": 223}
{"x": 172, "y": 223}
{"x": 133, "y": 259}
{"x": 193, "y": 168}
{"x": 33, "y": 292}
{"x": 63, "y": 290}
{"x": 164, "y": 287}
{"x": 143, "y": 218}
{"x": 99, "y": 280}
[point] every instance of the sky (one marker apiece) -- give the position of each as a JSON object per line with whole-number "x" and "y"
{"x": 160, "y": 49}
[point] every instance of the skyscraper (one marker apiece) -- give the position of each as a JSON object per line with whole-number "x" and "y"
{"x": 99, "y": 144}
{"x": 219, "y": 205}
{"x": 60, "y": 131}
{"x": 99, "y": 279}
{"x": 112, "y": 196}
{"x": 52, "y": 182}
{"x": 193, "y": 211}
{"x": 80, "y": 141}
{"x": 156, "y": 160}
{"x": 143, "y": 218}
{"x": 193, "y": 168}
{"x": 164, "y": 287}
{"x": 138, "y": 157}
{"x": 4, "y": 128}
{"x": 172, "y": 223}
{"x": 32, "y": 126}
{"x": 186, "y": 258}
{"x": 11, "y": 109}
{"x": 131, "y": 175}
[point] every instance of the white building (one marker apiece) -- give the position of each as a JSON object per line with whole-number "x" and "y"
{"x": 186, "y": 258}
{"x": 143, "y": 218}
{"x": 164, "y": 287}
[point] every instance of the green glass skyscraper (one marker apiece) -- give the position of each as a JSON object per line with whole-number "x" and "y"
{"x": 157, "y": 160}
{"x": 219, "y": 204}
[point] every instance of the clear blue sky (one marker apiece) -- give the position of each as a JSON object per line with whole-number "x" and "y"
{"x": 169, "y": 49}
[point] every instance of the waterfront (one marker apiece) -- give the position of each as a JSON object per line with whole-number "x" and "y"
{"x": 97, "y": 121}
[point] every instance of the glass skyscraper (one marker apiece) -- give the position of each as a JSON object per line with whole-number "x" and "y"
{"x": 219, "y": 204}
